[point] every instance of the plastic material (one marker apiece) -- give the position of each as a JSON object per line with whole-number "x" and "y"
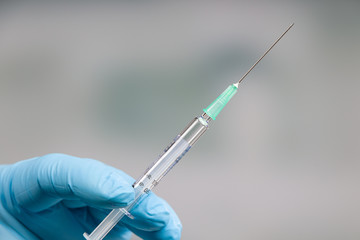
{"x": 152, "y": 176}
{"x": 216, "y": 106}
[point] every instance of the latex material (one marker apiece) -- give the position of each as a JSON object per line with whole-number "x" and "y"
{"x": 216, "y": 106}
{"x": 59, "y": 197}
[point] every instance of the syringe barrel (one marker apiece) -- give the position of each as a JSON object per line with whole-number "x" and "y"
{"x": 152, "y": 176}
{"x": 172, "y": 154}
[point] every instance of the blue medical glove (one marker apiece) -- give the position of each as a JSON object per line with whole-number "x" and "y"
{"x": 60, "y": 197}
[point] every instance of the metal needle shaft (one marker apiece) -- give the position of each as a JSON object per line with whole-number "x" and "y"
{"x": 252, "y": 67}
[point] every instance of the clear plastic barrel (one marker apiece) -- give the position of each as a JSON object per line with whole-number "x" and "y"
{"x": 152, "y": 176}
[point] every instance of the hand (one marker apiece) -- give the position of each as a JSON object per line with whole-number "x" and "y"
{"x": 60, "y": 197}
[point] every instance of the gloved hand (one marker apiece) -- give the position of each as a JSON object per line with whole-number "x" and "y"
{"x": 60, "y": 197}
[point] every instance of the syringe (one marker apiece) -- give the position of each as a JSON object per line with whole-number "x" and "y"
{"x": 172, "y": 154}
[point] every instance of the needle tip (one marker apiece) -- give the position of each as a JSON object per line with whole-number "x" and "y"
{"x": 252, "y": 67}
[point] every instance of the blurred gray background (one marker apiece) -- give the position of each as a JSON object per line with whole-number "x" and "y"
{"x": 116, "y": 81}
